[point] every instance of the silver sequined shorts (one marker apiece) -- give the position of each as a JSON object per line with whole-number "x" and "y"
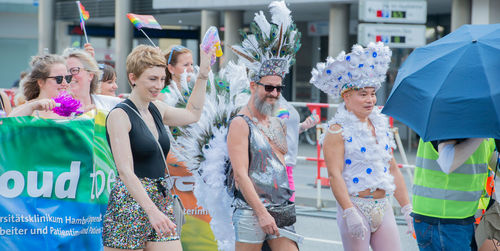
{"x": 247, "y": 228}
{"x": 372, "y": 209}
{"x": 126, "y": 225}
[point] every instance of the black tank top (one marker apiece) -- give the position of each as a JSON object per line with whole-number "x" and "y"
{"x": 148, "y": 162}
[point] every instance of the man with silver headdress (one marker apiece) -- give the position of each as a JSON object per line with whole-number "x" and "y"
{"x": 358, "y": 150}
{"x": 257, "y": 139}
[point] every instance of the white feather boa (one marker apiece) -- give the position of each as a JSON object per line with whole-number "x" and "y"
{"x": 209, "y": 141}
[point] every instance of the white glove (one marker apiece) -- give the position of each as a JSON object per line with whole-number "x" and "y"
{"x": 354, "y": 223}
{"x": 406, "y": 210}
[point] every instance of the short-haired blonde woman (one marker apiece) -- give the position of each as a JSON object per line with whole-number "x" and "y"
{"x": 140, "y": 213}
{"x": 46, "y": 79}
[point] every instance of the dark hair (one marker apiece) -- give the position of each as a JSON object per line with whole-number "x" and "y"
{"x": 176, "y": 51}
{"x": 108, "y": 72}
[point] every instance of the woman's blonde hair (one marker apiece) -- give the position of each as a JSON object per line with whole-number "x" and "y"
{"x": 88, "y": 62}
{"x": 143, "y": 57}
{"x": 40, "y": 70}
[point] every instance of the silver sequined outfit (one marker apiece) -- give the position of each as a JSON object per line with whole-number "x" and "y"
{"x": 267, "y": 172}
{"x": 372, "y": 209}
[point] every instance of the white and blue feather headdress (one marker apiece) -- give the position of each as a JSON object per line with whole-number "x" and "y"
{"x": 363, "y": 67}
{"x": 271, "y": 47}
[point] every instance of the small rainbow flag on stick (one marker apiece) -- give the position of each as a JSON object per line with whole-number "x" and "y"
{"x": 84, "y": 15}
{"x": 141, "y": 21}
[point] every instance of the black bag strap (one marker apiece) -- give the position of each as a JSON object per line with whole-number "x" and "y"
{"x": 2, "y": 106}
{"x": 159, "y": 185}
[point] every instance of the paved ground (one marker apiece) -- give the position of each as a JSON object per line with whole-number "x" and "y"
{"x": 318, "y": 225}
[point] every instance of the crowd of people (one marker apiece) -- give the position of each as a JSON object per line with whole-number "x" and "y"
{"x": 449, "y": 180}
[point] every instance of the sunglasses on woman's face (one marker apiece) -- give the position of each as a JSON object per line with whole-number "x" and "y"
{"x": 270, "y": 88}
{"x": 175, "y": 48}
{"x": 59, "y": 79}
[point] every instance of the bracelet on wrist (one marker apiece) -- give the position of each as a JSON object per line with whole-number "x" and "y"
{"x": 203, "y": 77}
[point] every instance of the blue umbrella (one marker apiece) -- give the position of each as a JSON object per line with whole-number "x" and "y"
{"x": 451, "y": 88}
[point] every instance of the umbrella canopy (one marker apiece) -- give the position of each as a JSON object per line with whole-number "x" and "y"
{"x": 451, "y": 88}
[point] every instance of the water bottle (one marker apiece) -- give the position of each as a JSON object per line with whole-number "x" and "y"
{"x": 313, "y": 114}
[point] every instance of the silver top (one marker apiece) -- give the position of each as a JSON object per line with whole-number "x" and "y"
{"x": 267, "y": 172}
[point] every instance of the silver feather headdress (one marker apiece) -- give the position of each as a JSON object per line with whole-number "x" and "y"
{"x": 271, "y": 47}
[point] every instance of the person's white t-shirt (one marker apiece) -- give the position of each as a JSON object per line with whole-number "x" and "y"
{"x": 103, "y": 102}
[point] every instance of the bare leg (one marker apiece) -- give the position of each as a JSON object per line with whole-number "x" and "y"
{"x": 282, "y": 244}
{"x": 240, "y": 246}
{"x": 161, "y": 246}
{"x": 387, "y": 236}
{"x": 351, "y": 243}
{"x": 490, "y": 245}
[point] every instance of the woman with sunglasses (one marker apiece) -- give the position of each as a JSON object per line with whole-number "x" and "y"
{"x": 47, "y": 78}
{"x": 140, "y": 209}
{"x": 179, "y": 60}
{"x": 86, "y": 74}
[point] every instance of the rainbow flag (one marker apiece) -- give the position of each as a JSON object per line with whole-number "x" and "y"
{"x": 84, "y": 15}
{"x": 283, "y": 113}
{"x": 141, "y": 21}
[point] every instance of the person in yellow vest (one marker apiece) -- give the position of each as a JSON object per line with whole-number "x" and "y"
{"x": 449, "y": 179}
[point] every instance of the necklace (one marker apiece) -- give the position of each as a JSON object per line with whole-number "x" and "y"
{"x": 274, "y": 132}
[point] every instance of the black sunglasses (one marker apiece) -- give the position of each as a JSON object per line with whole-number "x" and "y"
{"x": 270, "y": 88}
{"x": 59, "y": 79}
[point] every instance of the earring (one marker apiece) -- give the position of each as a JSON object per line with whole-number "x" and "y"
{"x": 133, "y": 84}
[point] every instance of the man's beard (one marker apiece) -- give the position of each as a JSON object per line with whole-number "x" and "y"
{"x": 263, "y": 107}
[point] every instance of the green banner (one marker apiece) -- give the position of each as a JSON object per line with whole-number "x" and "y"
{"x": 55, "y": 179}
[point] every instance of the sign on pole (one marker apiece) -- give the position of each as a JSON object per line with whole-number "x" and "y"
{"x": 318, "y": 28}
{"x": 393, "y": 35}
{"x": 383, "y": 11}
